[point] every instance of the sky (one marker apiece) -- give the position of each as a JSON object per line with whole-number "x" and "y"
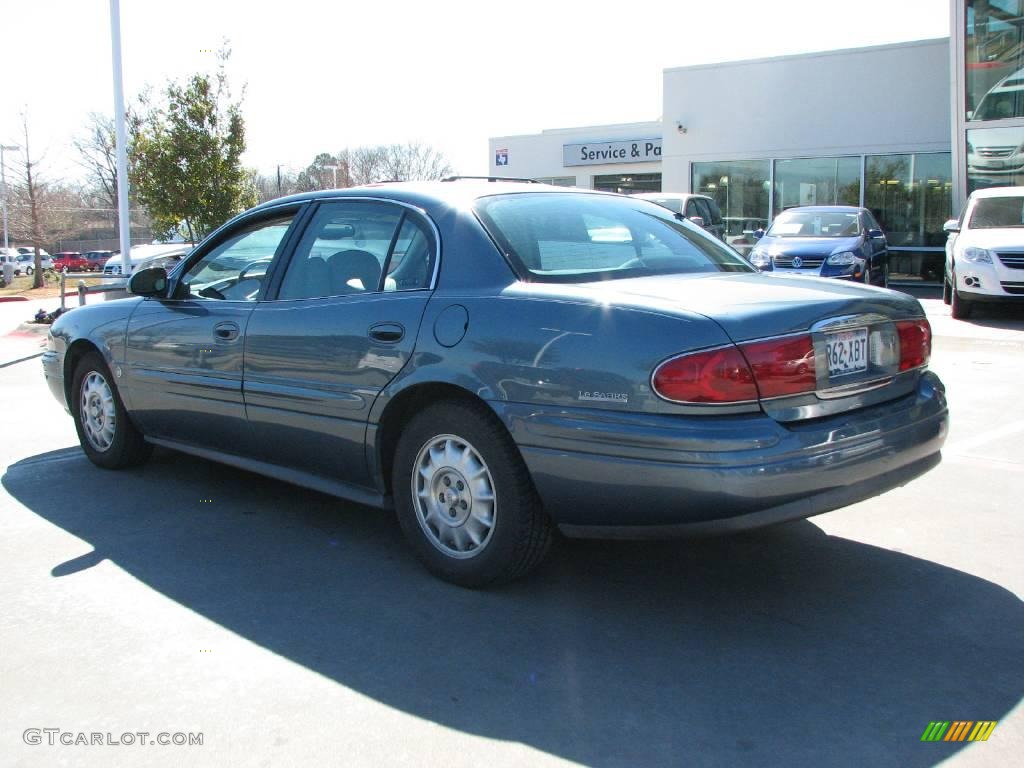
{"x": 322, "y": 76}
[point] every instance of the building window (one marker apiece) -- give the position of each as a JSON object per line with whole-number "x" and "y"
{"x": 994, "y": 51}
{"x": 740, "y": 187}
{"x": 817, "y": 181}
{"x": 557, "y": 181}
{"x": 628, "y": 183}
{"x": 911, "y": 196}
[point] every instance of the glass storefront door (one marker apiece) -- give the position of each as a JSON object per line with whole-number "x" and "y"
{"x": 740, "y": 187}
{"x": 816, "y": 181}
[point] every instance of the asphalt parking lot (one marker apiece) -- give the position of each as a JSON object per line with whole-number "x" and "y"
{"x": 290, "y": 628}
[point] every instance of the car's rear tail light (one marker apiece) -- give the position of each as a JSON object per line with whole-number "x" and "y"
{"x": 713, "y": 376}
{"x": 915, "y": 343}
{"x": 782, "y": 366}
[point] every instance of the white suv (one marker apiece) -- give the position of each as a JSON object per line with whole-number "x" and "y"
{"x": 985, "y": 250}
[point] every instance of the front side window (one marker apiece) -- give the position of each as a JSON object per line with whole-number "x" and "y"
{"x": 798, "y": 223}
{"x": 553, "y": 237}
{"x": 360, "y": 247}
{"x": 235, "y": 269}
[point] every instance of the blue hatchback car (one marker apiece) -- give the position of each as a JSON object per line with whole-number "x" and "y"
{"x": 498, "y": 361}
{"x": 825, "y": 241}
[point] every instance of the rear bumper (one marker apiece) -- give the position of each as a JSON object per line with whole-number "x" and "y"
{"x": 602, "y": 473}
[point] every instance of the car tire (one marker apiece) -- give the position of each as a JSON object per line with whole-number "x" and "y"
{"x": 947, "y": 291}
{"x": 464, "y": 497}
{"x": 107, "y": 434}
{"x": 30, "y": 271}
{"x": 960, "y": 307}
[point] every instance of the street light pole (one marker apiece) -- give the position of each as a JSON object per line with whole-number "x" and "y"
{"x": 3, "y": 185}
{"x": 121, "y": 139}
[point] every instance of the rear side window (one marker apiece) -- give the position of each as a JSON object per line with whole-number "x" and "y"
{"x": 580, "y": 238}
{"x": 360, "y": 247}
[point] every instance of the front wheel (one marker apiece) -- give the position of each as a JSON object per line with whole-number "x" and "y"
{"x": 947, "y": 291}
{"x": 960, "y": 307}
{"x": 107, "y": 435}
{"x": 30, "y": 271}
{"x": 464, "y": 498}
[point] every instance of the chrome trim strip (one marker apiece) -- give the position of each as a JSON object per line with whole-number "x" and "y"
{"x": 835, "y": 324}
{"x": 263, "y": 209}
{"x": 846, "y": 390}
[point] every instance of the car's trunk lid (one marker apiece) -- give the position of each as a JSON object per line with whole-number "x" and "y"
{"x": 753, "y": 307}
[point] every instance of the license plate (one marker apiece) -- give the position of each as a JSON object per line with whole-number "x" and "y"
{"x": 847, "y": 352}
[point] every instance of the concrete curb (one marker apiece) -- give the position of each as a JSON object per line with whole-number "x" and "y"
{"x": 13, "y": 298}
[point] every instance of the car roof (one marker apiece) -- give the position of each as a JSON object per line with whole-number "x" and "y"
{"x": 997, "y": 192}
{"x": 456, "y": 193}
{"x": 670, "y": 195}
{"x": 826, "y": 208}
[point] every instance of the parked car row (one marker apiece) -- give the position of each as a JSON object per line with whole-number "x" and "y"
{"x": 75, "y": 261}
{"x": 23, "y": 259}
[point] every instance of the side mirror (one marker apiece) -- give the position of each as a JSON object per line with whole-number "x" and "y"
{"x": 151, "y": 281}
{"x": 875, "y": 234}
{"x": 698, "y": 220}
{"x": 951, "y": 227}
{"x": 758, "y": 233}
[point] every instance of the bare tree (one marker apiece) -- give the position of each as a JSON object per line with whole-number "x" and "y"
{"x": 414, "y": 162}
{"x": 41, "y": 211}
{"x": 383, "y": 162}
{"x": 97, "y": 154}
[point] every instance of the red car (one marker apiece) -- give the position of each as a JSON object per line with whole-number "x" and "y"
{"x": 71, "y": 261}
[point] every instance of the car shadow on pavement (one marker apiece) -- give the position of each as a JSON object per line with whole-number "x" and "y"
{"x": 783, "y": 646}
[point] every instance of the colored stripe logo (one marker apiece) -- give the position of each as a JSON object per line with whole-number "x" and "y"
{"x": 959, "y": 730}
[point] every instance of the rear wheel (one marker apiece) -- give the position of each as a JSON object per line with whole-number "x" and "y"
{"x": 465, "y": 499}
{"x": 107, "y": 435}
{"x": 959, "y": 306}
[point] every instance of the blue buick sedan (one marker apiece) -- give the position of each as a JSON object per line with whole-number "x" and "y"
{"x": 838, "y": 241}
{"x": 496, "y": 361}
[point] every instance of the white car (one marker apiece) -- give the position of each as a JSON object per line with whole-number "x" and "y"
{"x": 985, "y": 250}
{"x": 26, "y": 264}
{"x": 143, "y": 253}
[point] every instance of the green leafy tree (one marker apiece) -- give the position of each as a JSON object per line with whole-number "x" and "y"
{"x": 186, "y": 154}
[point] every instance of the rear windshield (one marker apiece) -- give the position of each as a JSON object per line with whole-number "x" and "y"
{"x": 575, "y": 238}
{"x": 997, "y": 212}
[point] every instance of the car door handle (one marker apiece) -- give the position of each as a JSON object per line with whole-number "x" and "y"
{"x": 225, "y": 331}
{"x": 389, "y": 333}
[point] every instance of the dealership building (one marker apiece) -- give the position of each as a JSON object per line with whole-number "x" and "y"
{"x": 906, "y": 130}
